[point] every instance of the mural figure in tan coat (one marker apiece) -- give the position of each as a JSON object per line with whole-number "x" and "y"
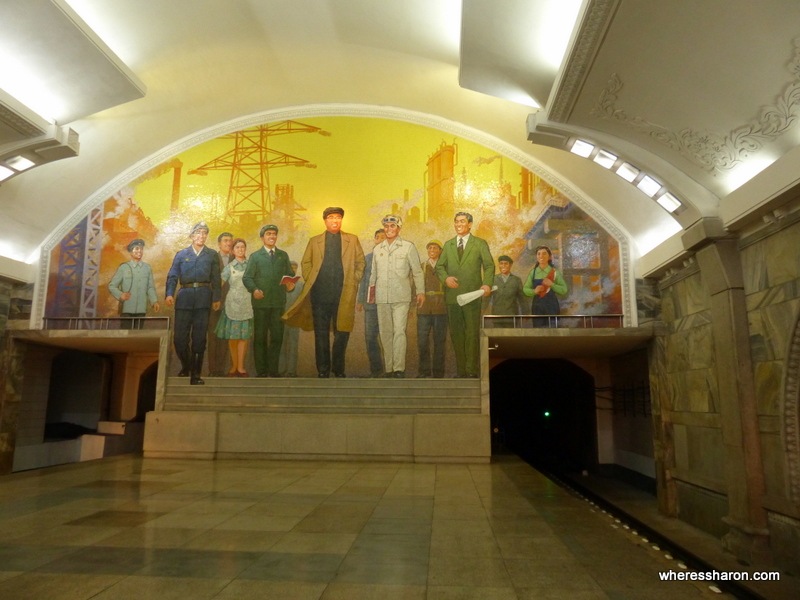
{"x": 332, "y": 266}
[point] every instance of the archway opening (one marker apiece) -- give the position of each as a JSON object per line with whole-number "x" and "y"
{"x": 544, "y": 411}
{"x": 146, "y": 397}
{"x": 78, "y": 396}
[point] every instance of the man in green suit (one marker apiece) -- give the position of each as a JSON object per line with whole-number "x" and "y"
{"x": 465, "y": 265}
{"x": 262, "y": 278}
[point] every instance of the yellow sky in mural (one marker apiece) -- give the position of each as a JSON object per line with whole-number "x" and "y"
{"x": 364, "y": 165}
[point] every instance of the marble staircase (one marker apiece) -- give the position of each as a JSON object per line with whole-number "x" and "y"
{"x": 307, "y": 395}
{"x": 417, "y": 420}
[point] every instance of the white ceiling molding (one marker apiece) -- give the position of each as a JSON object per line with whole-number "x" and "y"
{"x": 713, "y": 151}
{"x": 587, "y": 39}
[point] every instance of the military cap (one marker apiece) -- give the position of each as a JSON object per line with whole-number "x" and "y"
{"x": 134, "y": 243}
{"x": 267, "y": 228}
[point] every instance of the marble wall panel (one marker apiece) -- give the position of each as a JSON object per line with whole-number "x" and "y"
{"x": 780, "y": 256}
{"x": 779, "y": 323}
{"x": 668, "y": 309}
{"x": 5, "y": 303}
{"x": 690, "y": 349}
{"x": 774, "y": 465}
{"x": 784, "y": 542}
{"x": 706, "y": 453}
{"x": 680, "y": 438}
{"x": 768, "y": 381}
{"x": 701, "y": 393}
{"x": 702, "y": 508}
{"x": 754, "y": 275}
{"x": 695, "y": 294}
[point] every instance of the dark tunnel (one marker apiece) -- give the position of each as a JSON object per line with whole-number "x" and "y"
{"x": 544, "y": 411}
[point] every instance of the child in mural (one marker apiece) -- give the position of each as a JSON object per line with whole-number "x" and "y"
{"x": 543, "y": 283}
{"x": 196, "y": 269}
{"x": 134, "y": 287}
{"x": 508, "y": 298}
{"x": 235, "y": 322}
{"x": 287, "y": 364}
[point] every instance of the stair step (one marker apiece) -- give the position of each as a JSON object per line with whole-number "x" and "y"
{"x": 305, "y": 395}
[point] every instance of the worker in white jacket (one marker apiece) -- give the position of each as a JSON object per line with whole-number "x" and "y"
{"x": 395, "y": 262}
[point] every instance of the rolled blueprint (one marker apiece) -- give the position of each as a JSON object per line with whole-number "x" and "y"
{"x": 468, "y": 297}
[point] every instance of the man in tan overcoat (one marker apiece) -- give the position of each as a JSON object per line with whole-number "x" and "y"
{"x": 332, "y": 267}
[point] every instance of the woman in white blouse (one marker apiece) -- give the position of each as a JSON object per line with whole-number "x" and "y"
{"x": 236, "y": 321}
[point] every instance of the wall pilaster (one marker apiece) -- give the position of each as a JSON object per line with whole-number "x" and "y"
{"x": 720, "y": 266}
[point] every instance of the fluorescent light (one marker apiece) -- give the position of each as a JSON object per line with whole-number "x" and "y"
{"x": 628, "y": 172}
{"x": 649, "y": 185}
{"x": 554, "y": 28}
{"x": 605, "y": 159}
{"x": 582, "y": 148}
{"x": 6, "y": 173}
{"x": 19, "y": 163}
{"x": 669, "y": 202}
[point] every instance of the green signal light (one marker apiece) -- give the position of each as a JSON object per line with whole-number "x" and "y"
{"x": 547, "y": 413}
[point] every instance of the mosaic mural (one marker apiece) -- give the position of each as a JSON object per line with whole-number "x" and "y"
{"x": 286, "y": 172}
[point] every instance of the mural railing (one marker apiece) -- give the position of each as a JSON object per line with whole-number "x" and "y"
{"x": 106, "y": 323}
{"x": 553, "y": 321}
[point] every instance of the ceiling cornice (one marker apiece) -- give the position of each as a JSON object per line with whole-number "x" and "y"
{"x": 588, "y": 37}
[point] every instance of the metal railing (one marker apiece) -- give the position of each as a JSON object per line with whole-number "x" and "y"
{"x": 553, "y": 321}
{"x": 106, "y": 323}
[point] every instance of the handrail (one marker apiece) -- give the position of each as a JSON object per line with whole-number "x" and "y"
{"x": 105, "y": 323}
{"x": 612, "y": 320}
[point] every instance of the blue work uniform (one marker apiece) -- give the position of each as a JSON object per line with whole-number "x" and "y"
{"x": 200, "y": 286}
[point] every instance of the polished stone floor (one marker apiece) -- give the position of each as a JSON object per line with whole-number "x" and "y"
{"x": 128, "y": 527}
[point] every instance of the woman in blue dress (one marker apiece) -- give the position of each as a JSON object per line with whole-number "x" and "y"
{"x": 236, "y": 321}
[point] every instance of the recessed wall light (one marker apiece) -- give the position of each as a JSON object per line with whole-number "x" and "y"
{"x": 605, "y": 159}
{"x": 649, "y": 185}
{"x": 582, "y": 148}
{"x": 20, "y": 163}
{"x": 6, "y": 173}
{"x": 669, "y": 202}
{"x": 628, "y": 172}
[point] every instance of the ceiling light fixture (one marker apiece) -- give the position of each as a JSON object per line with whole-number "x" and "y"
{"x": 669, "y": 202}
{"x": 19, "y": 163}
{"x": 649, "y": 186}
{"x": 628, "y": 172}
{"x": 582, "y": 148}
{"x": 604, "y": 158}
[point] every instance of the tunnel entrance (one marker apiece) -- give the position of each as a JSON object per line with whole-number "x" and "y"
{"x": 544, "y": 411}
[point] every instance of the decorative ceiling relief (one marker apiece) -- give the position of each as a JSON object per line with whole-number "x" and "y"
{"x": 715, "y": 152}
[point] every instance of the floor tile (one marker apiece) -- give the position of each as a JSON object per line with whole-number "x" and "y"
{"x": 282, "y": 566}
{"x": 40, "y": 586}
{"x": 245, "y": 589}
{"x": 129, "y": 527}
{"x": 163, "y": 588}
{"x": 225, "y": 539}
{"x": 367, "y": 591}
{"x": 314, "y": 543}
{"x": 189, "y": 562}
{"x": 386, "y": 570}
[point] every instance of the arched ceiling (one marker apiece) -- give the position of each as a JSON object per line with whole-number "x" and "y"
{"x": 670, "y": 87}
